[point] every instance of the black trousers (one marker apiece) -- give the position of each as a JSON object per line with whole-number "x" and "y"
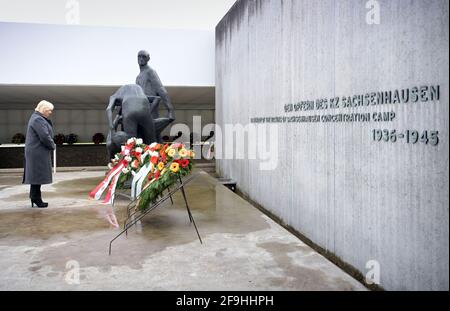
{"x": 35, "y": 192}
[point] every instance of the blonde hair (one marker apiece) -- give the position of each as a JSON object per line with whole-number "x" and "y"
{"x": 44, "y": 105}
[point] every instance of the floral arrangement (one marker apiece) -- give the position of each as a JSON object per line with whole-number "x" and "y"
{"x": 59, "y": 139}
{"x": 18, "y": 138}
{"x": 98, "y": 138}
{"x": 71, "y": 138}
{"x": 174, "y": 161}
{"x": 151, "y": 169}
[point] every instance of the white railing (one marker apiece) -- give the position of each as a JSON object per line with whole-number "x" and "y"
{"x": 54, "y": 161}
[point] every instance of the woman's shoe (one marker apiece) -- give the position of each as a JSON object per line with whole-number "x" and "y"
{"x": 39, "y": 203}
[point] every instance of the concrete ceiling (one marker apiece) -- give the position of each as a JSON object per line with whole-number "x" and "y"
{"x": 14, "y": 96}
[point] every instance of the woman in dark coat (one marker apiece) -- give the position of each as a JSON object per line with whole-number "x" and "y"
{"x": 39, "y": 145}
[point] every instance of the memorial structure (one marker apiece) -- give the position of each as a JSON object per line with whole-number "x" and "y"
{"x": 357, "y": 93}
{"x": 136, "y": 107}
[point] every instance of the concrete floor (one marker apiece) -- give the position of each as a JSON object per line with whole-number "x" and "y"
{"x": 242, "y": 248}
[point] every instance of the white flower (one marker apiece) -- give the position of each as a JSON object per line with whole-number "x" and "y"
{"x": 126, "y": 152}
{"x": 110, "y": 166}
{"x": 139, "y": 141}
{"x": 122, "y": 148}
{"x": 128, "y": 158}
{"x": 153, "y": 145}
{"x": 139, "y": 150}
{"x": 155, "y": 154}
{"x": 131, "y": 140}
{"x": 125, "y": 170}
{"x": 116, "y": 156}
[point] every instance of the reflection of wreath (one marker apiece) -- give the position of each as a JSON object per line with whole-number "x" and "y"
{"x": 18, "y": 138}
{"x": 98, "y": 138}
{"x": 72, "y": 138}
{"x": 59, "y": 139}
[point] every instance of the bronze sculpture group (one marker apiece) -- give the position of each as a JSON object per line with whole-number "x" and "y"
{"x": 135, "y": 107}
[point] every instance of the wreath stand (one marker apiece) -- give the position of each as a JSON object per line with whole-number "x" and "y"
{"x": 134, "y": 214}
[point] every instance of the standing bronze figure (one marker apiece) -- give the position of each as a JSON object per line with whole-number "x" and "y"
{"x": 137, "y": 109}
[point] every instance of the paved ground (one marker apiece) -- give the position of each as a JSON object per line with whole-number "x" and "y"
{"x": 242, "y": 248}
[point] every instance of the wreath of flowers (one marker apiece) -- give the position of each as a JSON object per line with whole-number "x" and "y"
{"x": 72, "y": 138}
{"x": 59, "y": 139}
{"x": 134, "y": 155}
{"x": 173, "y": 162}
{"x": 98, "y": 138}
{"x": 156, "y": 166}
{"x": 18, "y": 138}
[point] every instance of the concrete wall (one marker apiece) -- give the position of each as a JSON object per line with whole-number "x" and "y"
{"x": 358, "y": 198}
{"x": 85, "y": 123}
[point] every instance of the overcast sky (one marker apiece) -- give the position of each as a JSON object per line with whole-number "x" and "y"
{"x": 172, "y": 14}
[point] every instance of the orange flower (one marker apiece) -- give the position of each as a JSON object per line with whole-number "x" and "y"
{"x": 154, "y": 159}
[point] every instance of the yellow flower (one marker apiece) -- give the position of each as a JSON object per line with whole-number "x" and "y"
{"x": 171, "y": 152}
{"x": 160, "y": 166}
{"x": 174, "y": 167}
{"x": 183, "y": 152}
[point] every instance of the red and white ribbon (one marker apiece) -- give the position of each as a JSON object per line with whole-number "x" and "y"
{"x": 98, "y": 191}
{"x": 111, "y": 179}
{"x": 109, "y": 199}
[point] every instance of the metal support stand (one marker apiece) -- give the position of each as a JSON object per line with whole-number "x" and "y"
{"x": 134, "y": 216}
{"x": 191, "y": 218}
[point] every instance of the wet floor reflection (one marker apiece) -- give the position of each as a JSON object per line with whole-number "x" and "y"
{"x": 84, "y": 234}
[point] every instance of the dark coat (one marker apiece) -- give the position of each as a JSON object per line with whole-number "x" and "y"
{"x": 39, "y": 146}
